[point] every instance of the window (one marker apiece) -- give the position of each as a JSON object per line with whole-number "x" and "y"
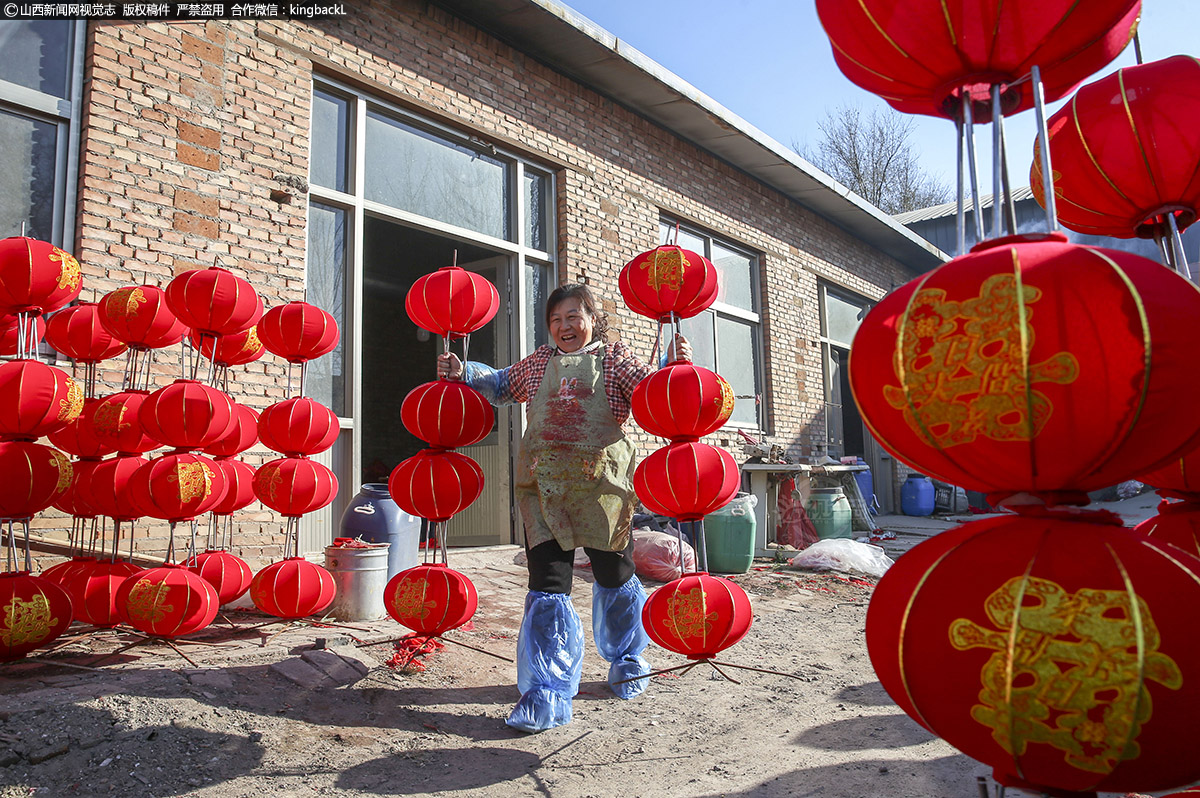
{"x": 727, "y": 337}
{"x": 841, "y": 314}
{"x": 41, "y": 78}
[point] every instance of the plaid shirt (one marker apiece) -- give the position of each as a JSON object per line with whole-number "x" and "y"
{"x": 519, "y": 382}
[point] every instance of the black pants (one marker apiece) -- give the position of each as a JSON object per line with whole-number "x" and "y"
{"x": 550, "y": 567}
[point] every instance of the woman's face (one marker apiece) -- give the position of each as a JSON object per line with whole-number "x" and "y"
{"x": 570, "y": 325}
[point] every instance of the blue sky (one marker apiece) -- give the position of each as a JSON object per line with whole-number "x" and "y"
{"x": 770, "y": 63}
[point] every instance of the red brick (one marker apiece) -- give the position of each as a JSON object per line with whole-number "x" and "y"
{"x": 193, "y": 156}
{"x": 198, "y": 135}
{"x": 188, "y": 223}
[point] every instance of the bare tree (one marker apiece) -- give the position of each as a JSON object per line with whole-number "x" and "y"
{"x": 871, "y": 155}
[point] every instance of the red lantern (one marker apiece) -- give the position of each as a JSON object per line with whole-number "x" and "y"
{"x": 687, "y": 481}
{"x": 1116, "y": 174}
{"x": 10, "y": 334}
{"x": 298, "y": 332}
{"x": 105, "y": 487}
{"x": 668, "y": 279}
{"x": 214, "y": 301}
{"x": 436, "y": 484}
{"x": 1177, "y": 523}
{"x": 115, "y": 423}
{"x": 293, "y": 486}
{"x": 33, "y": 611}
{"x": 186, "y": 414}
{"x": 240, "y": 436}
{"x": 682, "y": 401}
{"x": 452, "y": 302}
{"x": 33, "y": 477}
{"x": 36, "y": 399}
{"x": 298, "y": 427}
{"x": 965, "y": 383}
{"x": 447, "y": 414}
{"x": 918, "y": 55}
{"x": 72, "y": 501}
{"x": 293, "y": 588}
{"x": 1180, "y": 477}
{"x": 77, "y": 333}
{"x": 177, "y": 486}
{"x": 228, "y": 574}
{"x": 697, "y": 615}
{"x": 36, "y": 276}
{"x": 239, "y": 486}
{"x": 78, "y": 437}
{"x": 430, "y": 599}
{"x": 168, "y": 601}
{"x": 235, "y": 349}
{"x": 1055, "y": 648}
{"x": 139, "y": 316}
{"x": 93, "y": 590}
{"x": 60, "y": 573}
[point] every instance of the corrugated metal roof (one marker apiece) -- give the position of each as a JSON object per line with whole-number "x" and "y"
{"x": 575, "y": 46}
{"x": 951, "y": 208}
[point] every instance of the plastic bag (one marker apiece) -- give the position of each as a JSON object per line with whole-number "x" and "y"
{"x": 656, "y": 555}
{"x": 843, "y": 554}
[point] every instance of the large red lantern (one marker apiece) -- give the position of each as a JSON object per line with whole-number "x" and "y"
{"x": 33, "y": 611}
{"x": 668, "y": 279}
{"x": 293, "y": 588}
{"x": 34, "y": 476}
{"x": 116, "y": 424}
{"x": 919, "y": 55}
{"x": 298, "y": 332}
{"x": 239, "y": 485}
{"x": 36, "y": 399}
{"x": 36, "y": 276}
{"x": 229, "y": 574}
{"x": 60, "y": 573}
{"x": 994, "y": 373}
{"x": 430, "y": 599}
{"x": 77, "y": 333}
{"x": 697, "y": 615}
{"x": 1177, "y": 523}
{"x": 296, "y": 427}
{"x": 1065, "y": 673}
{"x": 1117, "y": 174}
{"x": 240, "y": 436}
{"x": 78, "y": 437}
{"x": 452, "y": 302}
{"x": 167, "y": 601}
{"x": 214, "y": 301}
{"x": 105, "y": 487}
{"x": 139, "y": 316}
{"x": 293, "y": 486}
{"x": 1180, "y": 477}
{"x": 687, "y": 480}
{"x": 682, "y": 401}
{"x": 72, "y": 501}
{"x": 235, "y": 349}
{"x": 93, "y": 590}
{"x": 447, "y": 414}
{"x": 10, "y": 334}
{"x": 436, "y": 484}
{"x": 177, "y": 486}
{"x": 187, "y": 414}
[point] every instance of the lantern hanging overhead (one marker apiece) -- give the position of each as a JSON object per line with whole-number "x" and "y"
{"x": 33, "y": 612}
{"x": 36, "y": 276}
{"x": 187, "y": 414}
{"x": 105, "y": 487}
{"x": 682, "y": 401}
{"x": 77, "y": 333}
{"x": 298, "y": 427}
{"x": 214, "y": 301}
{"x": 10, "y": 335}
{"x": 239, "y": 485}
{"x": 697, "y": 615}
{"x": 293, "y": 588}
{"x": 139, "y": 316}
{"x": 235, "y": 349}
{"x": 668, "y": 279}
{"x": 229, "y": 574}
{"x": 298, "y": 332}
{"x": 447, "y": 414}
{"x": 992, "y": 373}
{"x": 686, "y": 480}
{"x": 452, "y": 302}
{"x": 240, "y": 436}
{"x": 177, "y": 486}
{"x": 36, "y": 399}
{"x": 923, "y": 56}
{"x": 169, "y": 601}
{"x": 1118, "y": 174}
{"x": 293, "y": 486}
{"x": 430, "y": 599}
{"x": 116, "y": 424}
{"x": 436, "y": 484}
{"x": 34, "y": 476}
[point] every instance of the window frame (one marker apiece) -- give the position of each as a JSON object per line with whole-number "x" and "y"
{"x": 824, "y": 289}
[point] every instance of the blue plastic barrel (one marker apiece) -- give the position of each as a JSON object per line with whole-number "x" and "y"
{"x": 866, "y": 486}
{"x": 373, "y": 516}
{"x": 917, "y": 495}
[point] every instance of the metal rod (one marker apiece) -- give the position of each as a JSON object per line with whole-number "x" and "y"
{"x": 1010, "y": 210}
{"x": 1137, "y": 46}
{"x": 997, "y": 155}
{"x": 974, "y": 171}
{"x": 1039, "y": 105}
{"x": 701, "y": 544}
{"x": 960, "y": 215}
{"x": 1181, "y": 261}
{"x": 28, "y": 556}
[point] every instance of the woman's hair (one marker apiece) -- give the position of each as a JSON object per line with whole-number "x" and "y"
{"x": 586, "y": 301}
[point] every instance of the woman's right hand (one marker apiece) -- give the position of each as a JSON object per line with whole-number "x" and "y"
{"x": 449, "y": 367}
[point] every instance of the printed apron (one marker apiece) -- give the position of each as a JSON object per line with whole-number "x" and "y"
{"x": 574, "y": 480}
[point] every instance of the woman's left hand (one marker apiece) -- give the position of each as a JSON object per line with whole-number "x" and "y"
{"x": 680, "y": 349}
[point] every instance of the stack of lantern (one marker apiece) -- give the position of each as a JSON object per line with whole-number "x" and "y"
{"x": 438, "y": 482}
{"x": 697, "y": 615}
{"x": 1048, "y": 644}
{"x": 294, "y": 484}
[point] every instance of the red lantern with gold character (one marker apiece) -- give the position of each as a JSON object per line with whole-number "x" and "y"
{"x": 452, "y": 302}
{"x": 178, "y": 486}
{"x": 72, "y": 501}
{"x": 991, "y": 372}
{"x": 78, "y": 437}
{"x": 668, "y": 279}
{"x": 234, "y": 349}
{"x": 186, "y": 414}
{"x": 293, "y": 486}
{"x": 1065, "y": 671}
{"x": 229, "y": 574}
{"x": 687, "y": 481}
{"x": 116, "y": 424}
{"x": 139, "y": 316}
{"x": 34, "y": 476}
{"x": 33, "y": 612}
{"x": 36, "y": 399}
{"x": 430, "y": 599}
{"x": 293, "y": 588}
{"x": 298, "y": 332}
{"x": 93, "y": 590}
{"x": 167, "y": 601}
{"x": 447, "y": 414}
{"x": 682, "y": 401}
{"x": 298, "y": 427}
{"x": 36, "y": 276}
{"x": 214, "y": 301}
{"x": 697, "y": 615}
{"x": 436, "y": 484}
{"x": 239, "y": 436}
{"x": 77, "y": 333}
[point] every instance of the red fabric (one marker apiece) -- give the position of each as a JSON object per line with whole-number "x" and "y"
{"x": 10, "y": 334}
{"x": 177, "y": 486}
{"x": 93, "y": 590}
{"x": 36, "y": 399}
{"x": 139, "y": 316}
{"x": 1116, "y": 172}
{"x": 447, "y": 414}
{"x": 668, "y": 279}
{"x": 168, "y": 601}
{"x": 187, "y": 414}
{"x": 1176, "y": 524}
{"x": 229, "y": 574}
{"x": 697, "y": 615}
{"x": 77, "y": 333}
{"x": 105, "y": 487}
{"x": 436, "y": 484}
{"x": 234, "y": 349}
{"x": 115, "y": 423}
{"x": 78, "y": 437}
{"x": 19, "y": 632}
{"x": 239, "y": 486}
{"x": 293, "y": 486}
{"x": 686, "y": 481}
{"x": 917, "y": 54}
{"x": 214, "y": 301}
{"x": 36, "y": 276}
{"x": 794, "y": 528}
{"x": 34, "y": 476}
{"x": 430, "y": 599}
{"x": 240, "y": 436}
{"x": 682, "y": 400}
{"x": 298, "y": 332}
{"x": 293, "y": 588}
{"x": 452, "y": 302}
{"x": 943, "y": 381}
{"x": 298, "y": 427}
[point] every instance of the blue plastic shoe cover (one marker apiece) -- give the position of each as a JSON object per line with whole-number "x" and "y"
{"x": 549, "y": 662}
{"x": 620, "y": 638}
